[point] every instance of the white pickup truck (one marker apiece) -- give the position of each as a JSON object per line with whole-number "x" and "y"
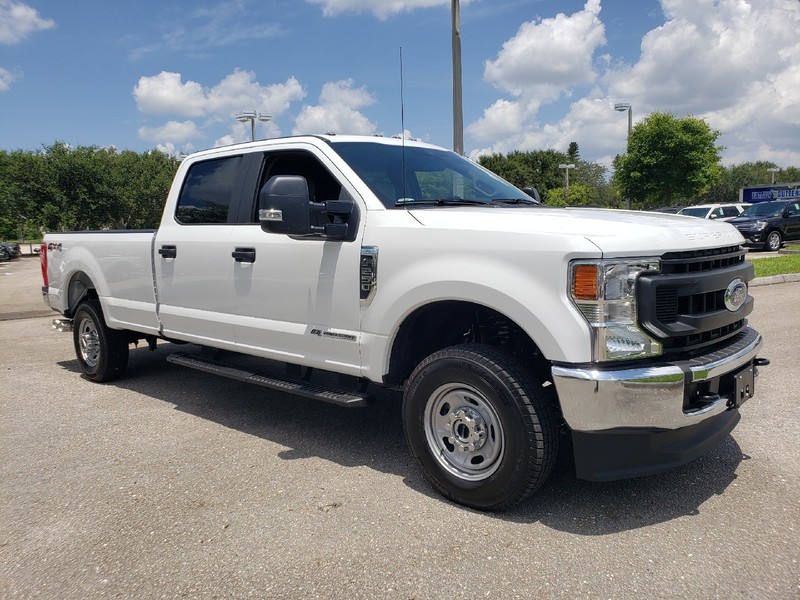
{"x": 509, "y": 326}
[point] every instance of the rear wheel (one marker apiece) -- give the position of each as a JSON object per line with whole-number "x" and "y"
{"x": 102, "y": 352}
{"x": 481, "y": 427}
{"x": 774, "y": 241}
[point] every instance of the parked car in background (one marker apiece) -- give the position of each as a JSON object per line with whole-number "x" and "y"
{"x": 768, "y": 224}
{"x": 723, "y": 212}
{"x": 9, "y": 250}
{"x": 667, "y": 209}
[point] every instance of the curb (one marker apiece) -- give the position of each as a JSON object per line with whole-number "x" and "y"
{"x": 773, "y": 279}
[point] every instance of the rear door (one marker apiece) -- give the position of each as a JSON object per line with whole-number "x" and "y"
{"x": 792, "y": 221}
{"x": 193, "y": 263}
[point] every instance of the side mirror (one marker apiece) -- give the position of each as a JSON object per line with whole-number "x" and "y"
{"x": 533, "y": 193}
{"x": 284, "y": 206}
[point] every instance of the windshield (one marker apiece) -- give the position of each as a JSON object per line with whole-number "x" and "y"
{"x": 764, "y": 209}
{"x": 694, "y": 212}
{"x": 430, "y": 175}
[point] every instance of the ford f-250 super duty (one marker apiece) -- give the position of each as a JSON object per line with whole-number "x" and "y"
{"x": 505, "y": 323}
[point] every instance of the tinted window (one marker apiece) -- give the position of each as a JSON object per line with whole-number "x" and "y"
{"x": 764, "y": 209}
{"x": 208, "y": 190}
{"x": 730, "y": 211}
{"x": 694, "y": 212}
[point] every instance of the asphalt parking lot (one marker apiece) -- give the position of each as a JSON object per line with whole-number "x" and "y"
{"x": 176, "y": 484}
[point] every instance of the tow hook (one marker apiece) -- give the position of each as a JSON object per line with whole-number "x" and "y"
{"x": 64, "y": 325}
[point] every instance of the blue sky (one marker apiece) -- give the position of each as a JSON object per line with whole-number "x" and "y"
{"x": 537, "y": 74}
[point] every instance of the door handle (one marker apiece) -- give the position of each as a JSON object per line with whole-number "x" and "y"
{"x": 168, "y": 251}
{"x": 247, "y": 255}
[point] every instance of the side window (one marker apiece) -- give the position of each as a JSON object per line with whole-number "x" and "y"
{"x": 729, "y": 211}
{"x": 207, "y": 191}
{"x": 321, "y": 184}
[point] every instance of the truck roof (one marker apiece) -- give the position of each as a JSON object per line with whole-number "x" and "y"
{"x": 313, "y": 138}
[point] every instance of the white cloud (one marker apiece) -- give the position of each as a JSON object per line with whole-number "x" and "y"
{"x": 166, "y": 93}
{"x": 383, "y": 9}
{"x": 502, "y": 119}
{"x": 337, "y": 111}
{"x": 549, "y": 55}
{"x": 18, "y": 21}
{"x": 6, "y": 79}
{"x": 733, "y": 63}
{"x": 175, "y": 132}
{"x": 207, "y": 27}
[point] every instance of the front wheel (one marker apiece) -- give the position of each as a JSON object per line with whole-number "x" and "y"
{"x": 102, "y": 352}
{"x": 774, "y": 241}
{"x": 482, "y": 429}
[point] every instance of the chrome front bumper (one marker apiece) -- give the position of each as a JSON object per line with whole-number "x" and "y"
{"x": 649, "y": 398}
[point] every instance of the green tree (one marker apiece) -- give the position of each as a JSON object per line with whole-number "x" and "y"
{"x": 579, "y": 195}
{"x": 668, "y": 157}
{"x": 539, "y": 169}
{"x": 59, "y": 187}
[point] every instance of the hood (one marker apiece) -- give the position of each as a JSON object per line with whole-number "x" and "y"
{"x": 615, "y": 232}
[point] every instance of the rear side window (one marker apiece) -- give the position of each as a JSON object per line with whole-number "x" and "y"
{"x": 208, "y": 190}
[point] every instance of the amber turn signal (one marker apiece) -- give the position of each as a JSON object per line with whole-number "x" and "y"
{"x": 584, "y": 282}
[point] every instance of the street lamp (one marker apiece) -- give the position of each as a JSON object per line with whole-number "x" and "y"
{"x": 566, "y": 175}
{"x": 773, "y": 170}
{"x": 622, "y": 107}
{"x": 252, "y": 116}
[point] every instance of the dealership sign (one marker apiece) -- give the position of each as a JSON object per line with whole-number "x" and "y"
{"x": 763, "y": 193}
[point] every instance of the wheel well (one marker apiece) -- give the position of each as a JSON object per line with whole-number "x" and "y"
{"x": 447, "y": 323}
{"x": 80, "y": 287}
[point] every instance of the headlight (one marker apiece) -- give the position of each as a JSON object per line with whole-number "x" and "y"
{"x": 760, "y": 225}
{"x": 604, "y": 291}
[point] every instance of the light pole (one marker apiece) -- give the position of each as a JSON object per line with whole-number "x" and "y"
{"x": 622, "y": 107}
{"x": 252, "y": 116}
{"x": 566, "y": 175}
{"x": 773, "y": 170}
{"x": 458, "y": 113}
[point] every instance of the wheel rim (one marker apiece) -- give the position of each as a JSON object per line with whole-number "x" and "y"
{"x": 774, "y": 241}
{"x": 464, "y": 432}
{"x": 89, "y": 341}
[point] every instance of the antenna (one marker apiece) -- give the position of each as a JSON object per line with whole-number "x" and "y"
{"x": 402, "y": 127}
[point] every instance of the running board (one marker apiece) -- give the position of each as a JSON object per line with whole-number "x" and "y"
{"x": 290, "y": 386}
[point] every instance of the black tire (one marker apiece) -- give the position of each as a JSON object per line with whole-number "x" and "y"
{"x": 102, "y": 352}
{"x": 774, "y": 241}
{"x": 481, "y": 427}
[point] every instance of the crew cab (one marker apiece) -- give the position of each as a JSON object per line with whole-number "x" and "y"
{"x": 510, "y": 327}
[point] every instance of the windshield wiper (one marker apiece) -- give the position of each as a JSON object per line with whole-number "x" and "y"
{"x": 514, "y": 201}
{"x": 439, "y": 202}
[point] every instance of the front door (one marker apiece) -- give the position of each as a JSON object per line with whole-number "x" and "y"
{"x": 297, "y": 299}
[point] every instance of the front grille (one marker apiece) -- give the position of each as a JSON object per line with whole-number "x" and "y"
{"x": 694, "y": 261}
{"x": 683, "y": 307}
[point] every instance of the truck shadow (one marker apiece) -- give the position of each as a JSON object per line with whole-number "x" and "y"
{"x": 373, "y": 437}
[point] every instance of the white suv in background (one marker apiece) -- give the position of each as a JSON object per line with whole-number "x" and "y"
{"x": 722, "y": 212}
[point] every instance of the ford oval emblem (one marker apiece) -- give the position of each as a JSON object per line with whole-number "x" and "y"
{"x": 735, "y": 295}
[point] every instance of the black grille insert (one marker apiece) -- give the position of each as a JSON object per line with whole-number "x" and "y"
{"x": 684, "y": 305}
